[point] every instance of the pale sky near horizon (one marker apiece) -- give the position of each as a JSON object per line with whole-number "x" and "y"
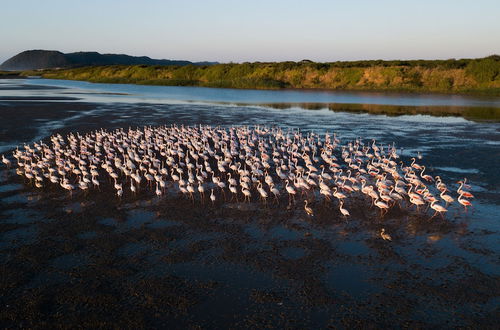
{"x": 258, "y": 30}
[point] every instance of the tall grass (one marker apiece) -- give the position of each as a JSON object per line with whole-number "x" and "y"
{"x": 444, "y": 76}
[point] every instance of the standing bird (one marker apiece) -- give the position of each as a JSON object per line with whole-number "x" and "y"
{"x": 308, "y": 210}
{"x": 447, "y": 198}
{"x": 291, "y": 192}
{"x": 438, "y": 208}
{"x": 247, "y": 194}
{"x": 6, "y": 161}
{"x": 385, "y": 235}
{"x": 275, "y": 192}
{"x": 464, "y": 201}
{"x": 382, "y": 206}
{"x": 158, "y": 191}
{"x": 201, "y": 190}
{"x": 212, "y": 197}
{"x": 344, "y": 212}
{"x": 460, "y": 191}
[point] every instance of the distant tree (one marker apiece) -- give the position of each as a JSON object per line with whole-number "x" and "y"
{"x": 494, "y": 57}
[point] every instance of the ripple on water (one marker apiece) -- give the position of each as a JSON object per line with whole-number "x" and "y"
{"x": 87, "y": 235}
{"x": 293, "y": 252}
{"x": 254, "y": 231}
{"x": 20, "y": 216}
{"x": 354, "y": 248}
{"x": 10, "y": 187}
{"x": 458, "y": 170}
{"x": 163, "y": 223}
{"x": 284, "y": 233}
{"x": 137, "y": 218}
{"x": 17, "y": 198}
{"x": 132, "y": 249}
{"x": 108, "y": 222}
{"x": 350, "y": 278}
{"x": 69, "y": 261}
{"x": 18, "y": 237}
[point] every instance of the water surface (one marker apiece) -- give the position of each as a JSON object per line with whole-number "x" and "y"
{"x": 160, "y": 94}
{"x": 142, "y": 261}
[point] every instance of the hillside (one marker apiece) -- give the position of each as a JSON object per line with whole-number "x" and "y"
{"x": 442, "y": 76}
{"x": 46, "y": 59}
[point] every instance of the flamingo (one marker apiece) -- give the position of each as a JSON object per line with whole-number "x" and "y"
{"x": 201, "y": 190}
{"x": 344, "y": 212}
{"x": 247, "y": 194}
{"x": 240, "y": 156}
{"x": 212, "y": 196}
{"x": 426, "y": 177}
{"x": 447, "y": 198}
{"x": 290, "y": 190}
{"x": 438, "y": 208}
{"x": 6, "y": 161}
{"x": 262, "y": 192}
{"x": 67, "y": 186}
{"x": 308, "y": 210}
{"x": 460, "y": 191}
{"x": 464, "y": 201}
{"x": 381, "y": 205}
{"x": 275, "y": 192}
{"x": 158, "y": 191}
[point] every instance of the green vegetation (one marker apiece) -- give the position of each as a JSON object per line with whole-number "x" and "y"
{"x": 481, "y": 76}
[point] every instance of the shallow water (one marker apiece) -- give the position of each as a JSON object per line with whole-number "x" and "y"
{"x": 149, "y": 262}
{"x": 160, "y": 94}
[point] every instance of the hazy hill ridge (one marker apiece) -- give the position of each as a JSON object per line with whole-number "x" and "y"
{"x": 48, "y": 59}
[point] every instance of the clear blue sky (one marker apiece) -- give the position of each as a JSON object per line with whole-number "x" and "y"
{"x": 258, "y": 30}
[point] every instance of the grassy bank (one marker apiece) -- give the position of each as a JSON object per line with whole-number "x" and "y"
{"x": 479, "y": 76}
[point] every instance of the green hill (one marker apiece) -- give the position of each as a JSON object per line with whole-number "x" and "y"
{"x": 45, "y": 59}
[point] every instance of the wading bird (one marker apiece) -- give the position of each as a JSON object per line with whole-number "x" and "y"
{"x": 254, "y": 161}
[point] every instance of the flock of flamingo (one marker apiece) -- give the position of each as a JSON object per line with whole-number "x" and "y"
{"x": 244, "y": 162}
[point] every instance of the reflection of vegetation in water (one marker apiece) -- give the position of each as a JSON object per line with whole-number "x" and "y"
{"x": 473, "y": 113}
{"x": 445, "y": 76}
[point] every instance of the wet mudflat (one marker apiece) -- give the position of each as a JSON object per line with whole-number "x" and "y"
{"x": 142, "y": 261}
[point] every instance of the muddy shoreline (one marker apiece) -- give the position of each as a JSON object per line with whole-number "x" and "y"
{"x": 98, "y": 261}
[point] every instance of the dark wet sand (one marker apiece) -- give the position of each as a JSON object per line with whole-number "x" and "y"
{"x": 92, "y": 260}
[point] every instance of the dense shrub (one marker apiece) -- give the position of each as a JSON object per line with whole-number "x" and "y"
{"x": 484, "y": 70}
{"x": 464, "y": 75}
